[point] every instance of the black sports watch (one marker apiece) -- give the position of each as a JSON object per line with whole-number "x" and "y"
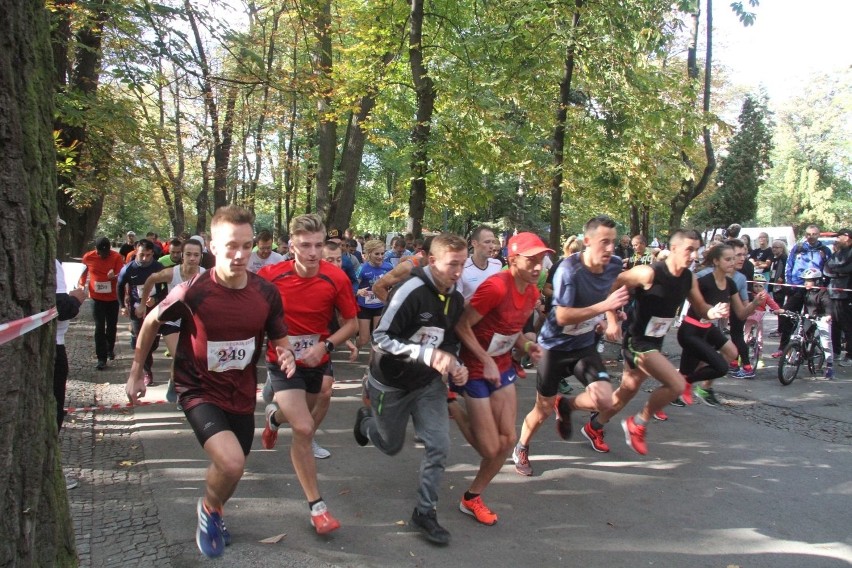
{"x": 329, "y": 346}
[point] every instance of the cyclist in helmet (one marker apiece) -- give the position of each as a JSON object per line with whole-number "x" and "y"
{"x": 817, "y": 305}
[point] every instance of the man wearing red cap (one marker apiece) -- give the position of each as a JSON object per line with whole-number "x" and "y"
{"x": 581, "y": 296}
{"x": 492, "y": 324}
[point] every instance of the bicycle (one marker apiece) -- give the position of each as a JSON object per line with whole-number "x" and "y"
{"x": 804, "y": 347}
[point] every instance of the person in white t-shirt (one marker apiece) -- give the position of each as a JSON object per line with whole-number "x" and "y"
{"x": 264, "y": 254}
{"x": 480, "y": 264}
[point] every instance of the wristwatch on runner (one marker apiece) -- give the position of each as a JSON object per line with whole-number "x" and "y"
{"x": 329, "y": 346}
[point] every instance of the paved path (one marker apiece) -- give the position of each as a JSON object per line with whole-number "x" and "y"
{"x": 762, "y": 481}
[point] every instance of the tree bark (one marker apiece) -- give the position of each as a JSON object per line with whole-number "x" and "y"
{"x": 559, "y": 137}
{"x": 34, "y": 516}
{"x": 424, "y": 89}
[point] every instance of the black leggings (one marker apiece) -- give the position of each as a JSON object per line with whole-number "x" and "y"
{"x": 736, "y": 325}
{"x": 701, "y": 345}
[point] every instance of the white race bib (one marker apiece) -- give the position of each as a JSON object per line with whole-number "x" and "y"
{"x": 301, "y": 344}
{"x": 226, "y": 355}
{"x": 658, "y": 327}
{"x": 370, "y": 298}
{"x": 583, "y": 326}
{"x": 103, "y": 287}
{"x": 429, "y": 336}
{"x": 501, "y": 344}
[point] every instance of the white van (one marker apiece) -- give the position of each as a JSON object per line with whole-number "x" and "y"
{"x": 775, "y": 233}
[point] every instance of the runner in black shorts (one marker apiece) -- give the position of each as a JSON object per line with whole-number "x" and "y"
{"x": 311, "y": 290}
{"x": 706, "y": 350}
{"x": 224, "y": 314}
{"x": 582, "y": 294}
{"x": 660, "y": 290}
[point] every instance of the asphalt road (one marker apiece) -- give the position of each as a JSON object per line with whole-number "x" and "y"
{"x": 720, "y": 487}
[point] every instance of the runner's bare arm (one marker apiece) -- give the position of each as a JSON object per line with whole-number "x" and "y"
{"x": 382, "y": 286}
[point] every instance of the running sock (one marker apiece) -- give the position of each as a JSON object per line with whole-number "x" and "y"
{"x": 468, "y": 495}
{"x": 520, "y": 446}
{"x": 638, "y": 420}
{"x": 312, "y": 503}
{"x": 595, "y": 423}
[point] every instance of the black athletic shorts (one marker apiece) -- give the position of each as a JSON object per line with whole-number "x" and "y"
{"x": 585, "y": 364}
{"x": 208, "y": 419}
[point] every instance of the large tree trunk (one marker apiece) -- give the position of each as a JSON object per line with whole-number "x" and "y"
{"x": 346, "y": 187}
{"x": 559, "y": 138}
{"x": 424, "y": 88}
{"x": 326, "y": 124}
{"x": 35, "y": 523}
{"x": 690, "y": 188}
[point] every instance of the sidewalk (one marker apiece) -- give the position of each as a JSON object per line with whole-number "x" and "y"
{"x": 761, "y": 481}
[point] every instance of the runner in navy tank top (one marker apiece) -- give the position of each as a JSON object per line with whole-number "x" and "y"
{"x": 660, "y": 289}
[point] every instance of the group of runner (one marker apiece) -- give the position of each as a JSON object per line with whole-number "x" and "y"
{"x": 442, "y": 325}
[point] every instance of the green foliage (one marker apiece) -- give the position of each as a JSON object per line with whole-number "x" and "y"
{"x": 812, "y": 178}
{"x": 742, "y": 170}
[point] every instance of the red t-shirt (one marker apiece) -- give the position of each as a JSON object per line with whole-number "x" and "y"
{"x": 505, "y": 311}
{"x": 221, "y": 339}
{"x": 101, "y": 287}
{"x": 309, "y": 303}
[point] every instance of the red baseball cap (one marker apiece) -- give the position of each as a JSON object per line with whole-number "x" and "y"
{"x": 526, "y": 244}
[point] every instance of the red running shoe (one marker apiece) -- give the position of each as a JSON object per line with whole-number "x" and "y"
{"x": 563, "y": 417}
{"x": 270, "y": 432}
{"x": 595, "y": 437}
{"x": 322, "y": 520}
{"x": 686, "y": 396}
{"x": 661, "y": 416}
{"x": 634, "y": 435}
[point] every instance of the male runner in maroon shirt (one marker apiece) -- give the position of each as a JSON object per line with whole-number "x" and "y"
{"x": 224, "y": 314}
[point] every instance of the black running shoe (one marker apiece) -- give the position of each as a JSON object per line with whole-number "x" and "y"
{"x": 428, "y": 523}
{"x": 363, "y": 413}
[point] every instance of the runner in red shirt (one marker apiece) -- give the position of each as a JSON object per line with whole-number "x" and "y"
{"x": 102, "y": 267}
{"x": 311, "y": 289}
{"x": 224, "y": 314}
{"x": 491, "y": 326}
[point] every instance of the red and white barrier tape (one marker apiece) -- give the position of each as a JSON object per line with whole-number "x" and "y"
{"x": 798, "y": 286}
{"x": 17, "y": 328}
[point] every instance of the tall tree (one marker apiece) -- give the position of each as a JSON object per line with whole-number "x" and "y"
{"x": 77, "y": 37}
{"x": 34, "y": 516}
{"x": 425, "y": 94}
{"x": 743, "y": 169}
{"x": 558, "y": 143}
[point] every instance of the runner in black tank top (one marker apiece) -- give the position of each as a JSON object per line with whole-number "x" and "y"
{"x": 660, "y": 290}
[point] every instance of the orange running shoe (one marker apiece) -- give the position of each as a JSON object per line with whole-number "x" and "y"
{"x": 478, "y": 510}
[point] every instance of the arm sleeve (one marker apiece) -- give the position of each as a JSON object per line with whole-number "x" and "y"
{"x": 119, "y": 287}
{"x": 388, "y": 335}
{"x": 788, "y": 270}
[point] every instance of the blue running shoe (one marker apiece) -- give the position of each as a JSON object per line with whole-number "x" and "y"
{"x": 208, "y": 535}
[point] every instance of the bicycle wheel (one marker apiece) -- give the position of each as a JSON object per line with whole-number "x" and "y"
{"x": 788, "y": 366}
{"x": 816, "y": 358}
